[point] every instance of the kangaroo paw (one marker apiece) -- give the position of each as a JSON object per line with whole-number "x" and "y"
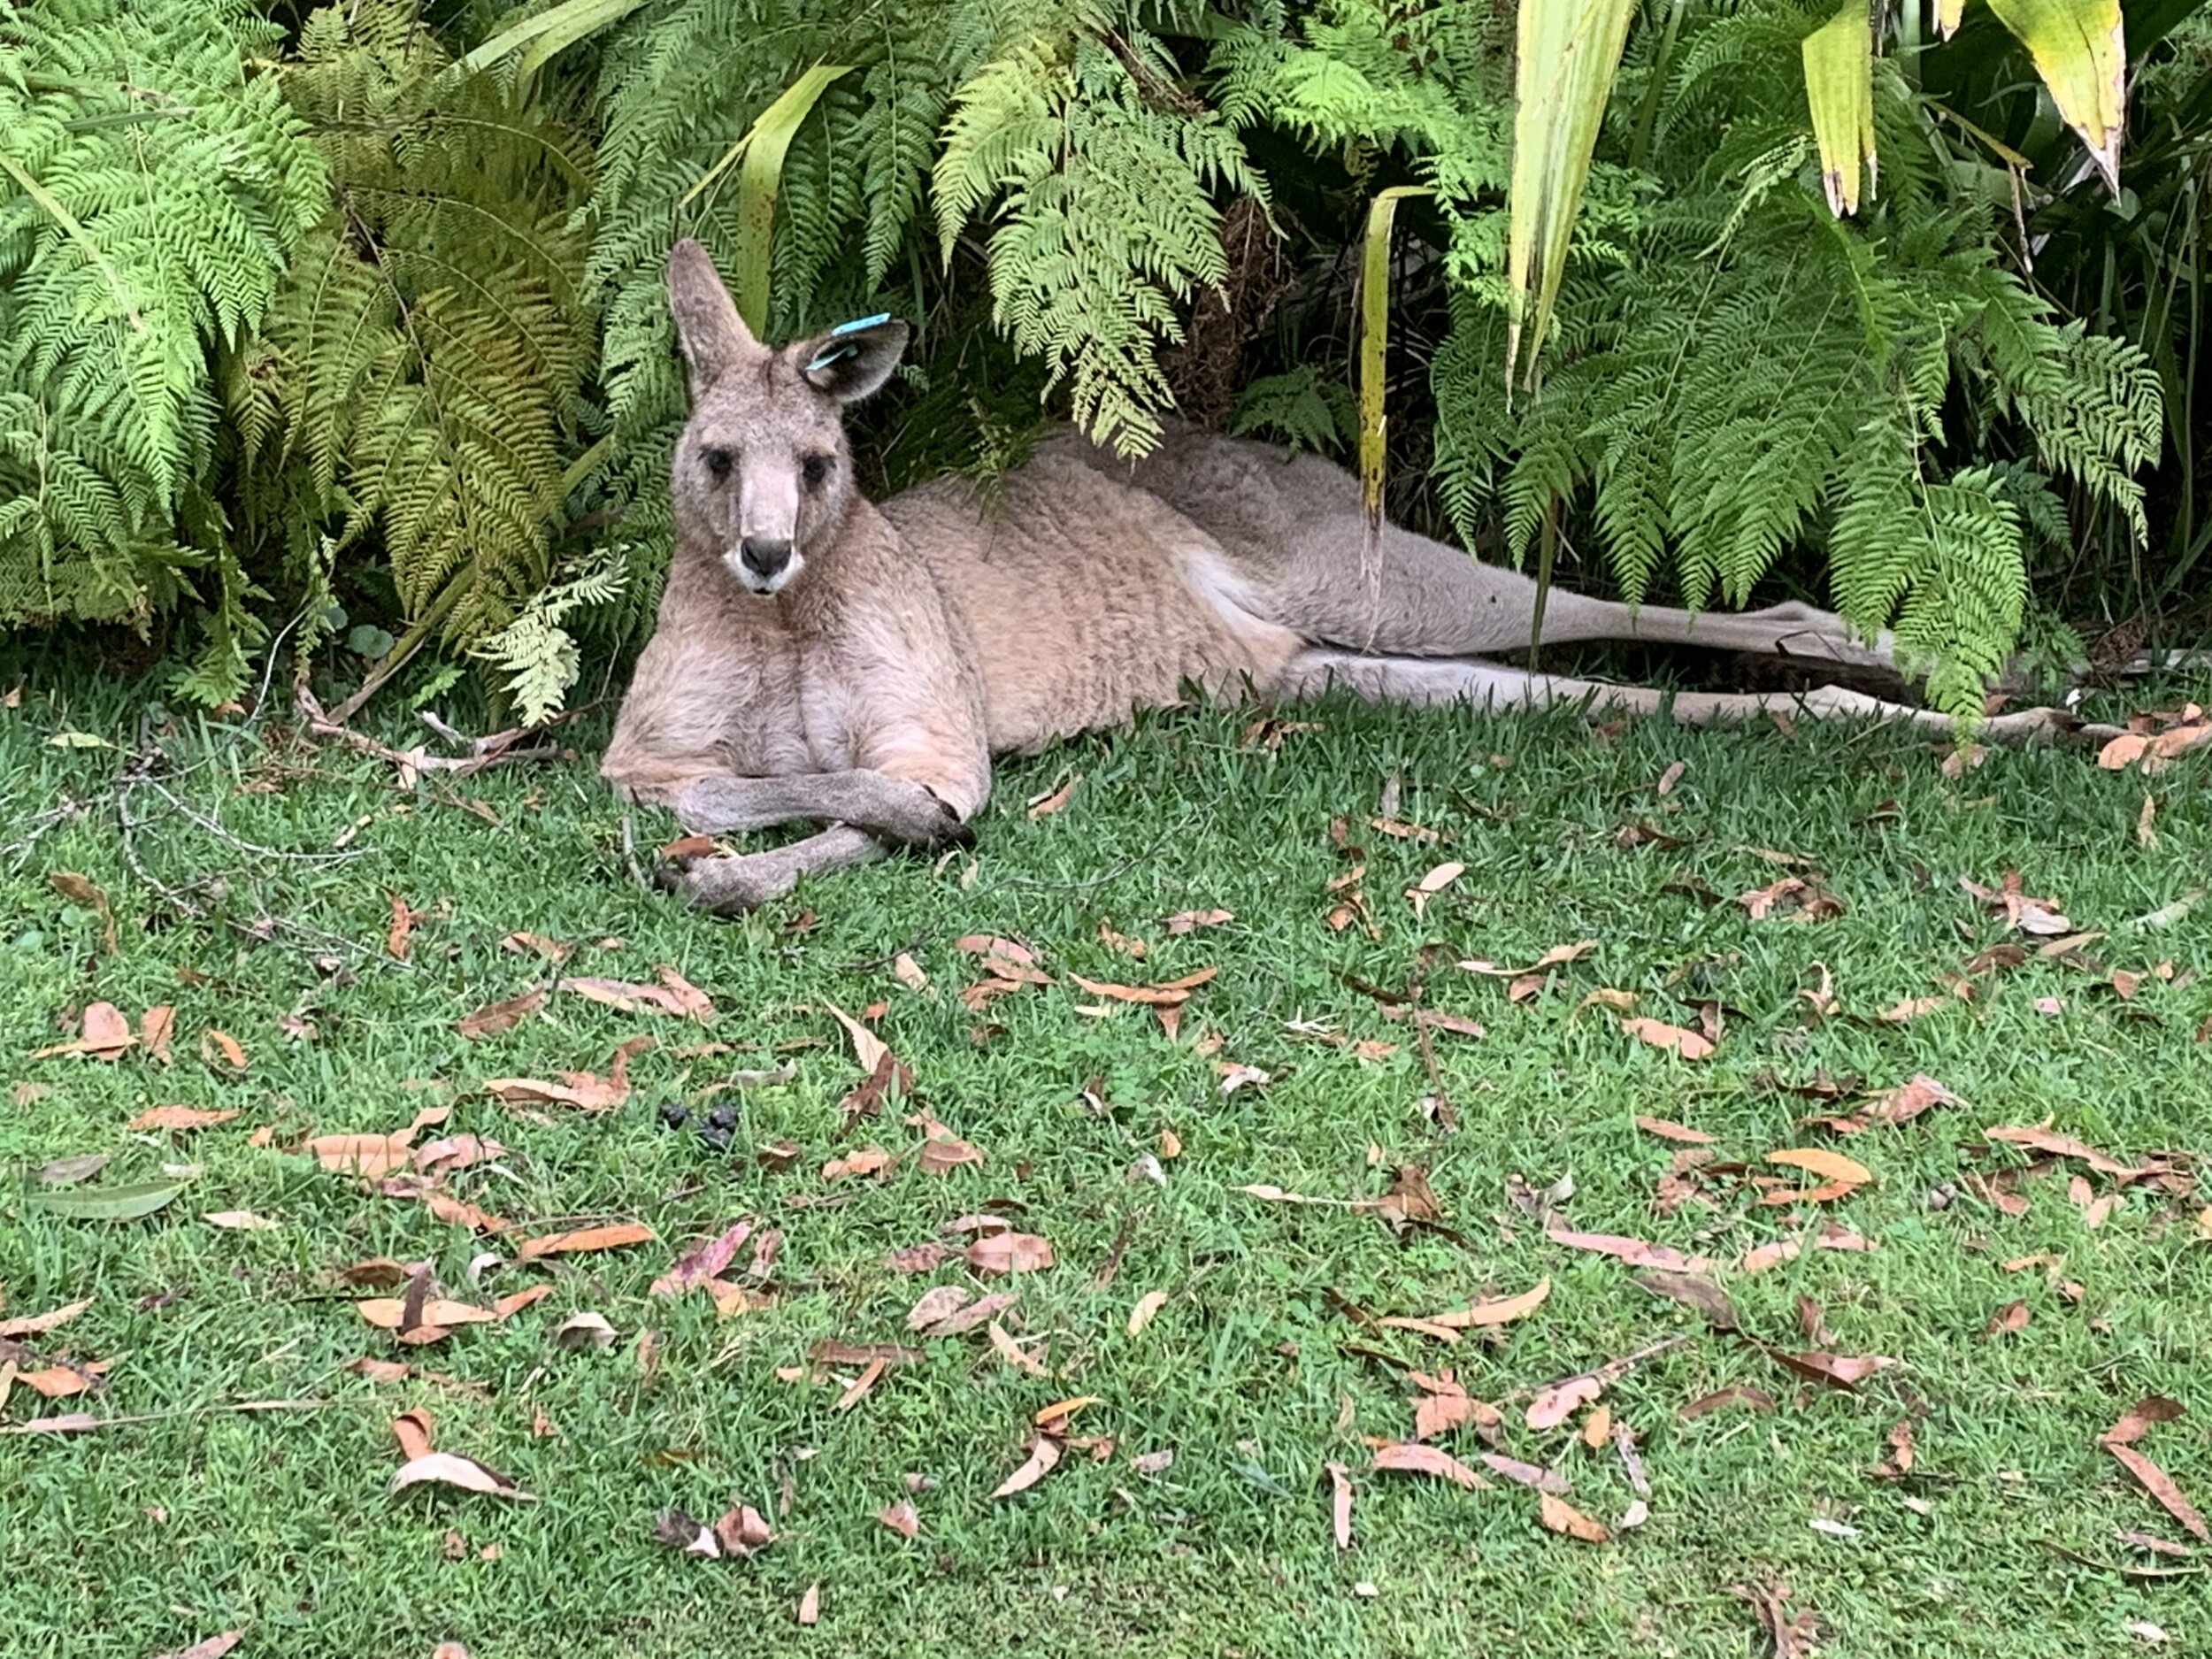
{"x": 728, "y": 885}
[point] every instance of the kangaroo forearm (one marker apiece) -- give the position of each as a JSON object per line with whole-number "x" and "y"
{"x": 893, "y": 807}
{"x": 731, "y": 885}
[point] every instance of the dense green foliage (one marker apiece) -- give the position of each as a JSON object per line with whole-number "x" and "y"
{"x": 304, "y": 317}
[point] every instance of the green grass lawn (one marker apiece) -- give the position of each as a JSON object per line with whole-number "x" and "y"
{"x": 182, "y": 1517}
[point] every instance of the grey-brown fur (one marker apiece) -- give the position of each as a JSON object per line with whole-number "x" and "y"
{"x": 819, "y": 658}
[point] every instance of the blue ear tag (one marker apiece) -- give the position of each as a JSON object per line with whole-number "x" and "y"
{"x": 828, "y": 355}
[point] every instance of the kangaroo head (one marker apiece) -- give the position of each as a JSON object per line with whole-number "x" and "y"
{"x": 762, "y": 473}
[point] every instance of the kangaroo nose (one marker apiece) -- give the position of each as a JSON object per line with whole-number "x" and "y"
{"x": 761, "y": 557}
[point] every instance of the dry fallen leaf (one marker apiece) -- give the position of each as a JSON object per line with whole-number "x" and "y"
{"x": 673, "y": 995}
{"x": 1800, "y": 900}
{"x": 80, "y": 890}
{"x": 1188, "y": 921}
{"x": 704, "y": 1261}
{"x": 811, "y": 1605}
{"x": 936, "y": 1304}
{"x": 1168, "y": 993}
{"x": 494, "y": 1017}
{"x": 1559, "y": 1516}
{"x": 584, "y": 1090}
{"x": 178, "y": 1118}
{"x": 2065, "y": 1147}
{"x": 437, "y": 1312}
{"x": 1433, "y": 883}
{"x": 1668, "y": 1130}
{"x": 1052, "y": 800}
{"x": 2119, "y": 1441}
{"x": 1700, "y": 1292}
{"x": 1005, "y": 1346}
{"x": 1148, "y": 1305}
{"x": 678, "y": 1530}
{"x": 1635, "y": 1252}
{"x": 1556, "y": 957}
{"x": 414, "y": 1433}
{"x": 743, "y": 1530}
{"x": 1409, "y": 1457}
{"x": 452, "y": 1470}
{"x": 902, "y": 1519}
{"x": 1010, "y": 1253}
{"x": 1341, "y": 1505}
{"x": 1445, "y": 1404}
{"x": 1897, "y": 1105}
{"x": 1842, "y": 1174}
{"x": 214, "y": 1646}
{"x": 860, "y": 1161}
{"x": 1795, "y": 1634}
{"x": 220, "y": 1047}
{"x": 240, "y": 1221}
{"x": 1688, "y": 1044}
{"x": 105, "y": 1034}
{"x": 1555, "y": 1404}
{"x": 39, "y": 1324}
{"x": 583, "y": 1239}
{"x": 1044, "y": 1455}
{"x": 1842, "y": 1370}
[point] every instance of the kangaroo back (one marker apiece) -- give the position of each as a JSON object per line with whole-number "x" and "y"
{"x": 1087, "y": 597}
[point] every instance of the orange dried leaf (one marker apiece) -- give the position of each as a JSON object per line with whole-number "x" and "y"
{"x": 384, "y": 1312}
{"x": 1010, "y": 1253}
{"x": 1555, "y": 1404}
{"x": 857, "y": 1389}
{"x": 579, "y": 1240}
{"x": 1052, "y": 800}
{"x": 1503, "y": 1310}
{"x": 508, "y": 1306}
{"x": 179, "y": 1118}
{"x": 1411, "y": 1458}
{"x": 39, "y": 1324}
{"x": 2161, "y": 1486}
{"x": 704, "y": 1262}
{"x": 1635, "y": 1252}
{"x": 155, "y": 1027}
{"x": 103, "y": 1034}
{"x": 413, "y": 1432}
{"x": 1167, "y": 994}
{"x": 2138, "y": 1419}
{"x": 1832, "y": 1166}
{"x": 1688, "y": 1044}
{"x": 494, "y": 1017}
{"x": 861, "y": 1161}
{"x": 1044, "y": 1456}
{"x": 1188, "y": 921}
{"x": 1561, "y": 1516}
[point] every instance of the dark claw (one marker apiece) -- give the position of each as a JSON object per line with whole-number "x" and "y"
{"x": 723, "y": 1116}
{"x": 674, "y": 1114}
{"x": 715, "y": 1139}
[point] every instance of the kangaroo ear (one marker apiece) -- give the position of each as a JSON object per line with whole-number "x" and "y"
{"x": 708, "y": 327}
{"x": 854, "y": 359}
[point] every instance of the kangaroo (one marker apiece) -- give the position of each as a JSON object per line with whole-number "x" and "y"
{"x": 819, "y": 658}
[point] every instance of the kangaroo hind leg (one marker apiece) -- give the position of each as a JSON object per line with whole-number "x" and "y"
{"x": 1428, "y": 599}
{"x": 1435, "y": 680}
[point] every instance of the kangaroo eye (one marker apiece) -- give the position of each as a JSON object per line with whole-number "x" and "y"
{"x": 814, "y": 469}
{"x": 717, "y": 462}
